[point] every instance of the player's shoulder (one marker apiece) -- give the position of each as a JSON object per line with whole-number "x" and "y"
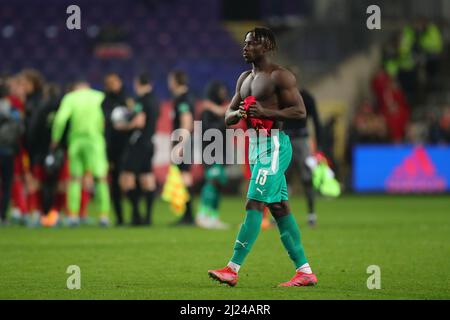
{"x": 279, "y": 72}
{"x": 97, "y": 93}
{"x": 244, "y": 75}
{"x": 69, "y": 96}
{"x": 282, "y": 76}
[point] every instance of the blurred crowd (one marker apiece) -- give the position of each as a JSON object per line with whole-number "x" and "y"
{"x": 35, "y": 178}
{"x": 409, "y": 104}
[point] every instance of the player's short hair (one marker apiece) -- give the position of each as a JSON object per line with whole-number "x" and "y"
{"x": 265, "y": 36}
{"x": 111, "y": 74}
{"x": 35, "y": 77}
{"x": 144, "y": 79}
{"x": 181, "y": 77}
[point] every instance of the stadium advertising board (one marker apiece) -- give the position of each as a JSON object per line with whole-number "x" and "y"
{"x": 401, "y": 168}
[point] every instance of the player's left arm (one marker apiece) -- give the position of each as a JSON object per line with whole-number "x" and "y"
{"x": 290, "y": 102}
{"x": 218, "y": 110}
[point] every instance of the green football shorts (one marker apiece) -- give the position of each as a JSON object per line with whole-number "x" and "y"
{"x": 269, "y": 158}
{"x": 87, "y": 154}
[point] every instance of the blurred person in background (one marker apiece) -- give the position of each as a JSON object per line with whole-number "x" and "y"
{"x": 380, "y": 82}
{"x": 183, "y": 118}
{"x": 395, "y": 110}
{"x": 407, "y": 62}
{"x": 368, "y": 126}
{"x": 116, "y": 140}
{"x": 439, "y": 126}
{"x": 301, "y": 149}
{"x": 215, "y": 175}
{"x": 420, "y": 46}
{"x": 35, "y": 144}
{"x": 430, "y": 43}
{"x": 11, "y": 129}
{"x": 136, "y": 177}
{"x": 86, "y": 147}
{"x": 19, "y": 205}
{"x": 50, "y": 174}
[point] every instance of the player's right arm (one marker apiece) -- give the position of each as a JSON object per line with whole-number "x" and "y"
{"x": 235, "y": 112}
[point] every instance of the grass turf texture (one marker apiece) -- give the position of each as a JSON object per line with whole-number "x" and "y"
{"x": 408, "y": 237}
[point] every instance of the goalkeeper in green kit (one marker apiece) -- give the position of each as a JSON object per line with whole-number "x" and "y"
{"x": 86, "y": 146}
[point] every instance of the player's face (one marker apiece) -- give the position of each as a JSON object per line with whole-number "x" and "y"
{"x": 113, "y": 84}
{"x": 223, "y": 94}
{"x": 16, "y": 86}
{"x": 27, "y": 85}
{"x": 253, "y": 49}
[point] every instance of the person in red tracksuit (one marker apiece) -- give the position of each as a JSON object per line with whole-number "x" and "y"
{"x": 19, "y": 206}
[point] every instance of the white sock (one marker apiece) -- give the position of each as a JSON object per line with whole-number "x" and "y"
{"x": 234, "y": 266}
{"x": 305, "y": 269}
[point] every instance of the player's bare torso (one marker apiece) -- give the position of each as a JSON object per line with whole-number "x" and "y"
{"x": 261, "y": 85}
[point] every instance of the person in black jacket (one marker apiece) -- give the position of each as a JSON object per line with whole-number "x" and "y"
{"x": 116, "y": 140}
{"x": 136, "y": 177}
{"x": 301, "y": 150}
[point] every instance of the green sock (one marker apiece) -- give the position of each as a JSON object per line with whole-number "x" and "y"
{"x": 208, "y": 197}
{"x": 102, "y": 194}
{"x": 74, "y": 196}
{"x": 213, "y": 213}
{"x": 291, "y": 238}
{"x": 203, "y": 210}
{"x": 215, "y": 205}
{"x": 247, "y": 236}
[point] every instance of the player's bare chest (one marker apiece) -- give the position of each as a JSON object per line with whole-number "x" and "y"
{"x": 260, "y": 86}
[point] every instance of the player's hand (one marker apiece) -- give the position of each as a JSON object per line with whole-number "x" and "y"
{"x": 120, "y": 126}
{"x": 242, "y": 113}
{"x": 256, "y": 110}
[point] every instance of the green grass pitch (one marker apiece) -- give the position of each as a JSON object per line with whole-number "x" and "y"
{"x": 408, "y": 237}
